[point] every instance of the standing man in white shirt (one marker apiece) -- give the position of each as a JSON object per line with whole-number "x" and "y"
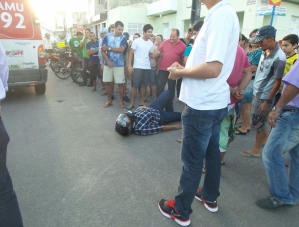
{"x": 10, "y": 214}
{"x": 48, "y": 45}
{"x": 206, "y": 94}
{"x": 141, "y": 48}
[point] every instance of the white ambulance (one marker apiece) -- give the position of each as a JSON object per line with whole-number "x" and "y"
{"x": 21, "y": 38}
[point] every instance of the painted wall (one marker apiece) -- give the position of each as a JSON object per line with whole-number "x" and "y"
{"x": 181, "y": 19}
{"x": 128, "y": 15}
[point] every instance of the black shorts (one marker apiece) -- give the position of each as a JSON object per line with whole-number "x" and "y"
{"x": 94, "y": 71}
{"x": 49, "y": 51}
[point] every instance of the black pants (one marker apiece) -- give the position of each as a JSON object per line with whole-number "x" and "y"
{"x": 10, "y": 215}
{"x": 162, "y": 79}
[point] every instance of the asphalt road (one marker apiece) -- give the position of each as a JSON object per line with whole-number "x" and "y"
{"x": 70, "y": 169}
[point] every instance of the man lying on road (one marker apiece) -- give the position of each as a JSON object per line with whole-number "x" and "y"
{"x": 149, "y": 120}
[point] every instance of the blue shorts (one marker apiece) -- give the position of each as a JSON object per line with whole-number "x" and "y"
{"x": 140, "y": 77}
{"x": 153, "y": 77}
{"x": 248, "y": 93}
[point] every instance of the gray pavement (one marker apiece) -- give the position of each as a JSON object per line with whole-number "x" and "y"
{"x": 70, "y": 169}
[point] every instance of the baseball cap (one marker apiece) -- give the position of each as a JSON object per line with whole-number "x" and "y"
{"x": 104, "y": 30}
{"x": 262, "y": 33}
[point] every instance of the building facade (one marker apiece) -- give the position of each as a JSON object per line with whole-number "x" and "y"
{"x": 167, "y": 14}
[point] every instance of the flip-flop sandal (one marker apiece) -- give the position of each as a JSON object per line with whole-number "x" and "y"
{"x": 238, "y": 132}
{"x": 107, "y": 104}
{"x": 130, "y": 107}
{"x": 122, "y": 106}
{"x": 93, "y": 89}
{"x": 222, "y": 163}
{"x": 141, "y": 105}
{"x": 179, "y": 140}
{"x": 247, "y": 154}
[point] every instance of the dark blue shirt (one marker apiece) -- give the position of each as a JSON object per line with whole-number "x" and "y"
{"x": 93, "y": 59}
{"x": 147, "y": 121}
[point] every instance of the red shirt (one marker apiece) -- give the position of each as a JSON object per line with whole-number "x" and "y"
{"x": 171, "y": 53}
{"x": 241, "y": 63}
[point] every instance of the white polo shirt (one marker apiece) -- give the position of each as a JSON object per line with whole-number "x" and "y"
{"x": 216, "y": 41}
{"x": 142, "y": 49}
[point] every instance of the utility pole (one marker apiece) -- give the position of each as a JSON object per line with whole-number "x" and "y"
{"x": 195, "y": 11}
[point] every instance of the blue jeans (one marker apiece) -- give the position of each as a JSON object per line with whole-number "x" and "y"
{"x": 282, "y": 139}
{"x": 164, "y": 101}
{"x": 200, "y": 140}
{"x": 10, "y": 215}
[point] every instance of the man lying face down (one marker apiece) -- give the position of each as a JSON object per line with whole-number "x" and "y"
{"x": 149, "y": 120}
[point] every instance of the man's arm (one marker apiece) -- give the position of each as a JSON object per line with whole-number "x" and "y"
{"x": 83, "y": 42}
{"x": 129, "y": 61}
{"x": 115, "y": 50}
{"x": 264, "y": 107}
{"x": 288, "y": 95}
{"x": 246, "y": 78}
{"x": 92, "y": 52}
{"x": 206, "y": 70}
{"x": 170, "y": 127}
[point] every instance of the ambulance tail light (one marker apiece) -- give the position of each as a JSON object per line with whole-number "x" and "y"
{"x": 41, "y": 55}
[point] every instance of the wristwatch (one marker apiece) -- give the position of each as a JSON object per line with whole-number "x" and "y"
{"x": 269, "y": 101}
{"x": 109, "y": 48}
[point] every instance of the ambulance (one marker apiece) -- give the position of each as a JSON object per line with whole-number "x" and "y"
{"x": 21, "y": 37}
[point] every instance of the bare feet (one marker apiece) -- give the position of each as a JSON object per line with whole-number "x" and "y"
{"x": 251, "y": 153}
{"x": 108, "y": 104}
{"x": 122, "y": 105}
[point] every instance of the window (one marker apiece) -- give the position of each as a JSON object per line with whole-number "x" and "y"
{"x": 135, "y": 28}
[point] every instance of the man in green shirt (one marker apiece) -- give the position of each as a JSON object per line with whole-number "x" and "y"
{"x": 75, "y": 44}
{"x": 85, "y": 62}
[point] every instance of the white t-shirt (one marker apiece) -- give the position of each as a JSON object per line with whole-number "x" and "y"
{"x": 142, "y": 49}
{"x": 216, "y": 41}
{"x": 48, "y": 43}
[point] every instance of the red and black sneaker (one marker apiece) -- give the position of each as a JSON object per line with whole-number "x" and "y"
{"x": 211, "y": 206}
{"x": 167, "y": 208}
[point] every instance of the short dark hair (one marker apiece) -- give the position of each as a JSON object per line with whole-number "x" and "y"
{"x": 161, "y": 36}
{"x": 87, "y": 29}
{"x": 197, "y": 25}
{"x": 109, "y": 29}
{"x": 79, "y": 33}
{"x": 147, "y": 27}
{"x": 137, "y": 34}
{"x": 254, "y": 31}
{"x": 189, "y": 30}
{"x": 175, "y": 30}
{"x": 92, "y": 33}
{"x": 118, "y": 23}
{"x": 243, "y": 38}
{"x": 127, "y": 35}
{"x": 292, "y": 38}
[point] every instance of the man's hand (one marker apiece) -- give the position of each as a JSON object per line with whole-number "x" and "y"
{"x": 177, "y": 127}
{"x": 264, "y": 108}
{"x": 105, "y": 48}
{"x": 174, "y": 70}
{"x": 110, "y": 64}
{"x": 238, "y": 94}
{"x": 272, "y": 117}
{"x": 130, "y": 70}
{"x": 102, "y": 66}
